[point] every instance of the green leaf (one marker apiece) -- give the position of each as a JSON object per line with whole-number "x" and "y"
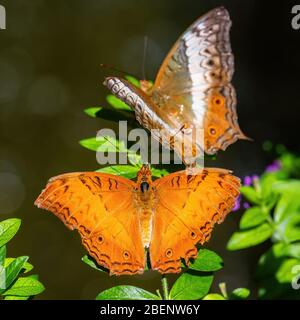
{"x": 250, "y": 238}
{"x": 239, "y": 294}
{"x": 103, "y": 144}
{"x": 270, "y": 261}
{"x": 2, "y": 255}
{"x": 206, "y": 261}
{"x": 26, "y": 267}
{"x": 214, "y": 296}
{"x": 288, "y": 204}
{"x": 251, "y": 194}
{"x": 289, "y": 229}
{"x": 267, "y": 181}
{"x": 13, "y": 268}
{"x": 134, "y": 158}
{"x": 90, "y": 143}
{"x": 8, "y": 229}
{"x": 133, "y": 80}
{"x": 252, "y": 218}
{"x": 92, "y": 112}
{"x": 117, "y": 103}
{"x": 126, "y": 293}
{"x": 159, "y": 172}
{"x": 284, "y": 274}
{"x": 292, "y": 250}
{"x": 110, "y": 144}
{"x": 191, "y": 286}
{"x": 128, "y": 171}
{"x": 90, "y": 262}
{"x": 16, "y": 298}
{"x": 25, "y": 287}
{"x": 290, "y": 186}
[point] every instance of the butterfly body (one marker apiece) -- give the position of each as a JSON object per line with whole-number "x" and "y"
{"x": 145, "y": 203}
{"x": 118, "y": 218}
{"x": 192, "y": 89}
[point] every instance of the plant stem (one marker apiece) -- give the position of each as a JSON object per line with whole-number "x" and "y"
{"x": 223, "y": 289}
{"x": 165, "y": 287}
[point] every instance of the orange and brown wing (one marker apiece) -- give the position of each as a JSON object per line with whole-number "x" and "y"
{"x": 188, "y": 207}
{"x": 100, "y": 207}
{"x": 193, "y": 86}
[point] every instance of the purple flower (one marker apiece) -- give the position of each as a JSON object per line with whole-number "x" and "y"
{"x": 237, "y": 204}
{"x": 274, "y": 166}
{"x": 246, "y": 205}
{"x": 247, "y": 181}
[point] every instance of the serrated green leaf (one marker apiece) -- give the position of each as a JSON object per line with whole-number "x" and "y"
{"x": 126, "y": 171}
{"x": 12, "y": 268}
{"x": 214, "y": 296}
{"x": 250, "y": 238}
{"x": 8, "y": 229}
{"x": 239, "y": 294}
{"x": 25, "y": 287}
{"x": 92, "y": 112}
{"x": 252, "y": 218}
{"x": 133, "y": 80}
{"x": 191, "y": 286}
{"x": 90, "y": 262}
{"x": 250, "y": 194}
{"x": 206, "y": 261}
{"x": 117, "y": 103}
{"x": 126, "y": 293}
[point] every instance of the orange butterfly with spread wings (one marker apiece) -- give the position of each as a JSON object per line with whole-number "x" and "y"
{"x": 118, "y": 218}
{"x": 192, "y": 91}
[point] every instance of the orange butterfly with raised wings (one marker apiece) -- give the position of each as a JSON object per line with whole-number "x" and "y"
{"x": 192, "y": 91}
{"x": 118, "y": 218}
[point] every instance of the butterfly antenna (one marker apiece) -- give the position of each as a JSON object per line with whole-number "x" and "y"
{"x": 144, "y": 57}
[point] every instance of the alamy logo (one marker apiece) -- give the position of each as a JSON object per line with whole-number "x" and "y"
{"x": 2, "y": 17}
{"x": 296, "y": 19}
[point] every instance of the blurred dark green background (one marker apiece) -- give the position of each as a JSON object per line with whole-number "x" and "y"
{"x": 50, "y": 56}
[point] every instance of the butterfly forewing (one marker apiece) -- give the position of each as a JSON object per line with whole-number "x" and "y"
{"x": 100, "y": 206}
{"x": 187, "y": 209}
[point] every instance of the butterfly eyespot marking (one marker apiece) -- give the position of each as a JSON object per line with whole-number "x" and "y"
{"x": 100, "y": 239}
{"x": 218, "y": 100}
{"x": 193, "y": 235}
{"x": 169, "y": 253}
{"x": 212, "y": 131}
{"x": 126, "y": 255}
